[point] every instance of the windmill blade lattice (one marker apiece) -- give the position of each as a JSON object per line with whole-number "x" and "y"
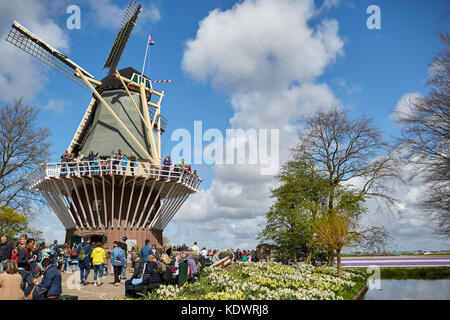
{"x": 39, "y": 49}
{"x": 128, "y": 22}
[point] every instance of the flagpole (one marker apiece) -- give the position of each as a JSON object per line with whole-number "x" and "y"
{"x": 145, "y": 59}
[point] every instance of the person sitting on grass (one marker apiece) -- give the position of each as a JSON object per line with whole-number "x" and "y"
{"x": 51, "y": 284}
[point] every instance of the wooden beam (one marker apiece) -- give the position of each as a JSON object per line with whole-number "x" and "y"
{"x": 147, "y": 124}
{"x": 90, "y": 79}
{"x": 150, "y": 135}
{"x": 99, "y": 97}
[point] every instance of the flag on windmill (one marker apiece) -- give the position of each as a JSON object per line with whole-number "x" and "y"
{"x": 150, "y": 41}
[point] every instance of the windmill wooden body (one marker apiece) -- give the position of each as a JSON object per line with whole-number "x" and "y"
{"x": 108, "y": 198}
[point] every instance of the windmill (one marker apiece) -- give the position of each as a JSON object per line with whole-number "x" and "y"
{"x": 106, "y": 198}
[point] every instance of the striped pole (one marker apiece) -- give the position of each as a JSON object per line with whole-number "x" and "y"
{"x": 161, "y": 81}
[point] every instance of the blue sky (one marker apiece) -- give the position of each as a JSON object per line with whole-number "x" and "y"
{"x": 365, "y": 71}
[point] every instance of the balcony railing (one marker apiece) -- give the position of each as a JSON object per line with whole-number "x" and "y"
{"x": 115, "y": 167}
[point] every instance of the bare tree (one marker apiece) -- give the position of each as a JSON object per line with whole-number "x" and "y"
{"x": 426, "y": 134}
{"x": 376, "y": 238}
{"x": 346, "y": 149}
{"x": 23, "y": 146}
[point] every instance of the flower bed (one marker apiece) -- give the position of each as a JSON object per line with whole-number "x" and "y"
{"x": 266, "y": 281}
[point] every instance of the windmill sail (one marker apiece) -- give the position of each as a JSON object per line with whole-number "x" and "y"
{"x": 128, "y": 22}
{"x": 38, "y": 48}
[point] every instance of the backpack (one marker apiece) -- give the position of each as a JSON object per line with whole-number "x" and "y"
{"x": 73, "y": 253}
{"x": 161, "y": 267}
{"x": 82, "y": 255}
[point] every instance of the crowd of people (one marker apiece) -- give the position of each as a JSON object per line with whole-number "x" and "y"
{"x": 18, "y": 263}
{"x": 24, "y": 261}
{"x": 116, "y": 163}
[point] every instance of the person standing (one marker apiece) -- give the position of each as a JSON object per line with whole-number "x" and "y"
{"x": 23, "y": 241}
{"x": 54, "y": 251}
{"x": 64, "y": 160}
{"x": 80, "y": 163}
{"x": 11, "y": 282}
{"x": 196, "y": 249}
{"x": 98, "y": 261}
{"x": 146, "y": 251}
{"x": 124, "y": 247}
{"x": 117, "y": 260}
{"x": 124, "y": 164}
{"x": 108, "y": 259}
{"x": 74, "y": 257}
{"x": 5, "y": 252}
{"x": 24, "y": 261}
{"x": 84, "y": 252}
{"x": 133, "y": 163}
{"x": 66, "y": 257}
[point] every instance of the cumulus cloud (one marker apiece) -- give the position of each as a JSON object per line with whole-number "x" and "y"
{"x": 404, "y": 106}
{"x": 261, "y": 45}
{"x": 267, "y": 57}
{"x": 20, "y": 74}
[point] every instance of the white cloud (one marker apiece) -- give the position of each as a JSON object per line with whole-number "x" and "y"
{"x": 57, "y": 105}
{"x": 404, "y": 106}
{"x": 261, "y": 45}
{"x": 20, "y": 74}
{"x": 267, "y": 58}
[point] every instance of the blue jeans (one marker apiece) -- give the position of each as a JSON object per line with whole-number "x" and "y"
{"x": 84, "y": 271}
{"x": 27, "y": 282}
{"x": 98, "y": 269}
{"x": 124, "y": 271}
{"x": 66, "y": 265}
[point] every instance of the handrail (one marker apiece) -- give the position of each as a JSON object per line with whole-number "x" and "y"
{"x": 117, "y": 167}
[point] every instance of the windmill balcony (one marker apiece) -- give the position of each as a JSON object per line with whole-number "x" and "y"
{"x": 108, "y": 195}
{"x": 114, "y": 167}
